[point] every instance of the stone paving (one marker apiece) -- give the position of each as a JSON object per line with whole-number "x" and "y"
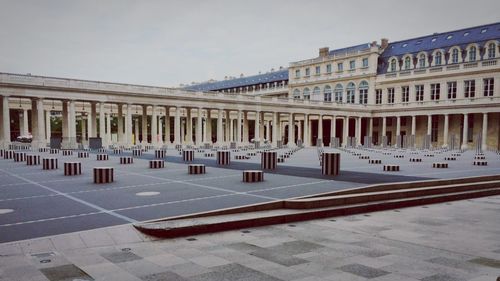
{"x": 450, "y": 241}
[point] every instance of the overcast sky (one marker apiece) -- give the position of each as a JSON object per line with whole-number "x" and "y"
{"x": 166, "y": 43}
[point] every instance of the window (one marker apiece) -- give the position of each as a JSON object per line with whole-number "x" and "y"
{"x": 350, "y": 92}
{"x": 452, "y": 90}
{"x": 405, "y": 94}
{"x": 472, "y": 53}
{"x": 296, "y": 94}
{"x": 470, "y": 88}
{"x": 318, "y": 70}
{"x": 488, "y": 87}
{"x": 363, "y": 92}
{"x": 421, "y": 61}
{"x": 378, "y": 96}
{"x": 307, "y": 95}
{"x": 491, "y": 50}
{"x": 328, "y": 68}
{"x": 454, "y": 56}
{"x": 449, "y": 37}
{"x": 393, "y": 65}
{"x": 437, "y": 58}
{"x": 435, "y": 91}
{"x": 327, "y": 93}
{"x": 297, "y": 73}
{"x": 308, "y": 72}
{"x": 339, "y": 91}
{"x": 316, "y": 93}
{"x": 340, "y": 66}
{"x": 419, "y": 92}
{"x": 352, "y": 65}
{"x": 390, "y": 95}
{"x": 407, "y": 63}
{"x": 365, "y": 62}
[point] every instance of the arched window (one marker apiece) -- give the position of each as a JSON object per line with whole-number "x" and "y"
{"x": 437, "y": 58}
{"x": 421, "y": 61}
{"x": 407, "y": 63}
{"x": 327, "y": 93}
{"x": 307, "y": 95}
{"x": 350, "y": 90}
{"x": 296, "y": 94}
{"x": 316, "y": 93}
{"x": 472, "y": 53}
{"x": 339, "y": 91}
{"x": 454, "y": 56}
{"x": 363, "y": 92}
{"x": 393, "y": 65}
{"x": 491, "y": 50}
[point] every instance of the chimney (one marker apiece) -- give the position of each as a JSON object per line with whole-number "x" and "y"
{"x": 241, "y": 75}
{"x": 373, "y": 44}
{"x": 323, "y": 52}
{"x": 384, "y": 42}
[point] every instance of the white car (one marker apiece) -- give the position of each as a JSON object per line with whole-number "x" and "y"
{"x": 27, "y": 138}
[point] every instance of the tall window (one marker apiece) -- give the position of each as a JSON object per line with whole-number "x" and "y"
{"x": 350, "y": 92}
{"x": 340, "y": 66}
{"x": 491, "y": 50}
{"x": 378, "y": 96}
{"x": 327, "y": 93}
{"x": 316, "y": 93}
{"x": 365, "y": 62}
{"x": 390, "y": 95}
{"x": 393, "y": 65}
{"x": 307, "y": 95}
{"x": 296, "y": 94}
{"x": 421, "y": 61}
{"x": 472, "y": 53}
{"x": 328, "y": 68}
{"x": 405, "y": 94}
{"x": 419, "y": 92}
{"x": 469, "y": 88}
{"x": 437, "y": 58}
{"x": 308, "y": 72}
{"x": 339, "y": 90}
{"x": 454, "y": 56}
{"x": 452, "y": 90}
{"x": 407, "y": 63}
{"x": 488, "y": 87}
{"x": 318, "y": 70}
{"x": 297, "y": 73}
{"x": 435, "y": 91}
{"x": 363, "y": 92}
{"x": 352, "y": 65}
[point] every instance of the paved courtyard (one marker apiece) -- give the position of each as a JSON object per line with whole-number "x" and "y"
{"x": 36, "y": 203}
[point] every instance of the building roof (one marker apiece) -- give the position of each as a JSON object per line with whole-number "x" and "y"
{"x": 444, "y": 40}
{"x": 351, "y": 49}
{"x": 275, "y": 76}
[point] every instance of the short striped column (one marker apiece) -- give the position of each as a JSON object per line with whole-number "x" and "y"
{"x": 479, "y": 157}
{"x": 241, "y": 157}
{"x": 187, "y": 155}
{"x": 83, "y": 154}
{"x": 156, "y": 164}
{"x": 101, "y": 150}
{"x": 1, "y": 152}
{"x": 54, "y": 151}
{"x": 8, "y": 154}
{"x": 253, "y": 176}
{"x": 178, "y": 147}
{"x": 72, "y": 168}
{"x": 399, "y": 156}
{"x": 209, "y": 154}
{"x": 19, "y": 156}
{"x": 136, "y": 152}
{"x": 251, "y": 153}
{"x": 223, "y": 157}
{"x": 428, "y": 155}
{"x": 375, "y": 161}
{"x": 32, "y": 160}
{"x": 67, "y": 152}
{"x": 43, "y": 149}
{"x": 364, "y": 157}
{"x": 196, "y": 169}
{"x": 103, "y": 175}
{"x": 330, "y": 162}
{"x": 450, "y": 159}
{"x": 391, "y": 168}
{"x": 49, "y": 163}
{"x": 480, "y": 163}
{"x": 102, "y": 157}
{"x": 126, "y": 160}
{"x": 281, "y": 159}
{"x": 117, "y": 151}
{"x": 160, "y": 153}
{"x": 415, "y": 159}
{"x": 269, "y": 160}
{"x": 440, "y": 165}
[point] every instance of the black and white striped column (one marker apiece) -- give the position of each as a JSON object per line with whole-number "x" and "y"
{"x": 330, "y": 162}
{"x": 136, "y": 152}
{"x": 126, "y": 160}
{"x": 117, "y": 151}
{"x": 49, "y": 163}
{"x": 83, "y": 154}
{"x": 156, "y": 164}
{"x": 188, "y": 155}
{"x": 19, "y": 156}
{"x": 32, "y": 160}
{"x": 160, "y": 153}
{"x": 196, "y": 169}
{"x": 440, "y": 165}
{"x": 43, "y": 149}
{"x": 103, "y": 175}
{"x": 102, "y": 157}
{"x": 8, "y": 154}
{"x": 253, "y": 176}
{"x": 67, "y": 152}
{"x": 391, "y": 168}
{"x": 54, "y": 151}
{"x": 269, "y": 160}
{"x": 72, "y": 168}
{"x": 223, "y": 157}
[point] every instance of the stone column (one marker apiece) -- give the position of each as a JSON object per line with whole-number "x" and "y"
{"x": 92, "y": 124}
{"x": 5, "y": 124}
{"x": 429, "y": 125}
{"x": 136, "y": 131}
{"x": 199, "y": 126}
{"x": 346, "y": 131}
{"x": 413, "y": 125}
{"x": 25, "y": 130}
{"x": 307, "y": 135}
{"x": 227, "y": 127}
{"x": 384, "y": 126}
{"x": 291, "y": 130}
{"x": 108, "y": 129}
{"x": 238, "y": 128}
{"x": 220, "y": 132}
{"x": 208, "y": 127}
{"x": 268, "y": 130}
{"x": 160, "y": 131}
{"x": 177, "y": 126}
{"x": 102, "y": 125}
{"x": 465, "y": 131}
{"x": 398, "y": 129}
{"x": 231, "y": 129}
{"x": 484, "y": 136}
{"x": 445, "y": 133}
{"x": 34, "y": 124}
{"x": 40, "y": 138}
{"x": 257, "y": 127}
{"x": 275, "y": 129}
{"x": 189, "y": 126}
{"x": 245, "y": 127}
{"x": 84, "y": 129}
{"x": 320, "y": 129}
{"x": 262, "y": 135}
{"x": 64, "y": 123}
{"x": 144, "y": 120}
{"x": 167, "y": 125}
{"x": 358, "y": 131}
{"x": 154, "y": 126}
{"x": 119, "y": 123}
{"x": 333, "y": 128}
{"x": 370, "y": 128}
{"x": 128, "y": 123}
{"x": 48, "y": 128}
{"x": 299, "y": 130}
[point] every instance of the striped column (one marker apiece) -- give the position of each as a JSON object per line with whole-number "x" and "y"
{"x": 67, "y": 152}
{"x": 49, "y": 163}
{"x": 8, "y": 154}
{"x": 126, "y": 160}
{"x": 19, "y": 156}
{"x": 330, "y": 162}
{"x": 196, "y": 169}
{"x": 136, "y": 152}
{"x": 83, "y": 154}
{"x": 156, "y": 164}
{"x": 32, "y": 160}
{"x": 102, "y": 157}
{"x": 187, "y": 155}
{"x": 269, "y": 160}
{"x": 103, "y": 175}
{"x": 253, "y": 176}
{"x": 160, "y": 153}
{"x": 223, "y": 157}
{"x": 72, "y": 168}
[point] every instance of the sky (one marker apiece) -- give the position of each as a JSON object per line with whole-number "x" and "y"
{"x": 166, "y": 43}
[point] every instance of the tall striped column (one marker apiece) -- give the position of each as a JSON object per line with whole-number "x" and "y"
{"x": 330, "y": 162}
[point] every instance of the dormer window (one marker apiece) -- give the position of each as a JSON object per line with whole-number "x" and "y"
{"x": 393, "y": 65}
{"x": 437, "y": 58}
{"x": 491, "y": 50}
{"x": 407, "y": 63}
{"x": 421, "y": 61}
{"x": 472, "y": 53}
{"x": 449, "y": 37}
{"x": 308, "y": 71}
{"x": 404, "y": 45}
{"x": 466, "y": 34}
{"x": 484, "y": 30}
{"x": 433, "y": 39}
{"x": 454, "y": 56}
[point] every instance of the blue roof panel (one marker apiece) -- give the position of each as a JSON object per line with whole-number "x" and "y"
{"x": 351, "y": 49}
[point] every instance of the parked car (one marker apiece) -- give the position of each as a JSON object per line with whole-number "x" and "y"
{"x": 26, "y": 138}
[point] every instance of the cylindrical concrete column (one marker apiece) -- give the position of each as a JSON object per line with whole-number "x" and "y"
{"x": 25, "y": 130}
{"x": 446, "y": 128}
{"x": 320, "y": 129}
{"x": 358, "y": 131}
{"x": 429, "y": 124}
{"x": 398, "y": 129}
{"x": 102, "y": 124}
{"x": 239, "y": 129}
{"x": 275, "y": 129}
{"x": 199, "y": 126}
{"x": 484, "y": 137}
{"x": 291, "y": 130}
{"x": 189, "y": 126}
{"x": 465, "y": 131}
{"x": 92, "y": 124}
{"x": 144, "y": 120}
{"x": 220, "y": 132}
{"x": 154, "y": 126}
{"x": 177, "y": 126}
{"x": 48, "y": 127}
{"x": 257, "y": 127}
